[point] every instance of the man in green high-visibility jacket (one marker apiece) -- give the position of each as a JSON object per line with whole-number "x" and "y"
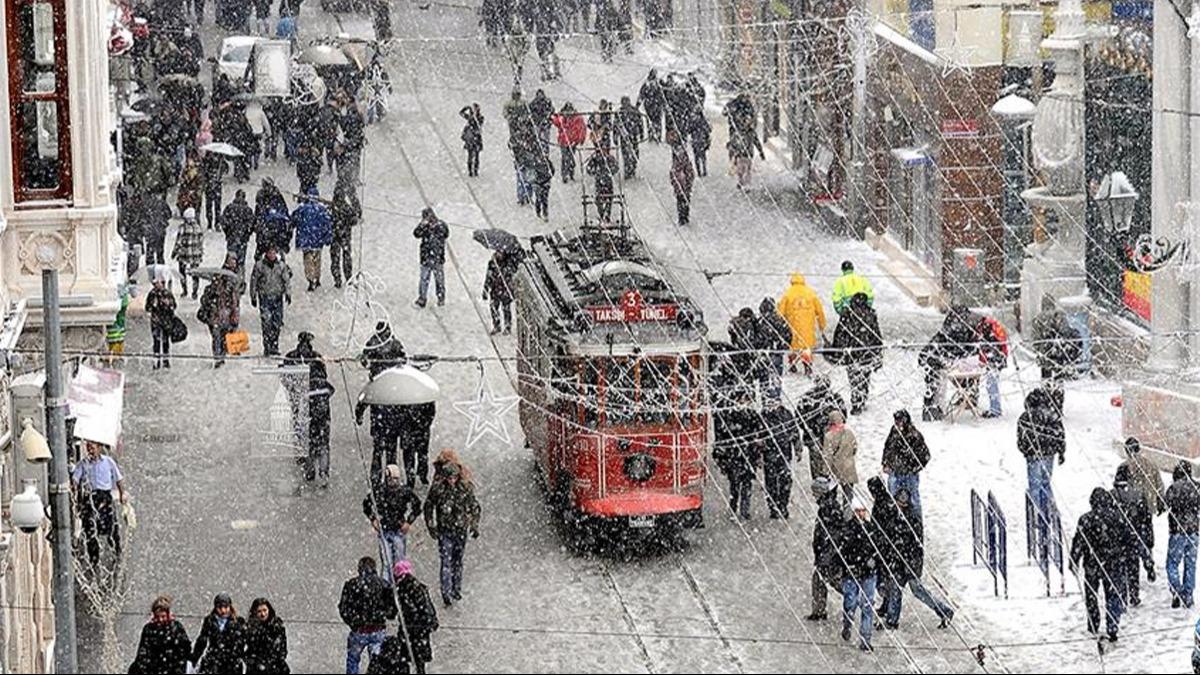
{"x": 848, "y": 285}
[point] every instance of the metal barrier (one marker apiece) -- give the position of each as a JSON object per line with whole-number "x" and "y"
{"x": 989, "y": 538}
{"x": 1044, "y": 544}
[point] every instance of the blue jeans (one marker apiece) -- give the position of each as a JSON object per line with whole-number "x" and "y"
{"x": 895, "y": 600}
{"x": 859, "y": 594}
{"x": 1039, "y": 472}
{"x": 524, "y": 188}
{"x": 393, "y": 547}
{"x": 439, "y": 277}
{"x": 1181, "y": 549}
{"x": 991, "y": 379}
{"x": 910, "y": 482}
{"x": 450, "y": 549}
{"x": 270, "y": 310}
{"x": 356, "y": 642}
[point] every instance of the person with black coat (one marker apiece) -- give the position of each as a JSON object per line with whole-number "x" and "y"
{"x": 1041, "y": 438}
{"x": 602, "y": 167}
{"x": 650, "y": 98}
{"x": 630, "y": 133}
{"x": 778, "y": 447}
{"x": 812, "y": 413}
{"x": 902, "y": 548}
{"x": 541, "y": 109}
{"x": 827, "y": 532}
{"x": 382, "y": 351}
{"x": 858, "y": 345}
{"x": 392, "y": 507}
{"x": 701, "y": 139}
{"x": 905, "y": 455}
{"x": 1183, "y": 518}
{"x": 433, "y": 233}
{"x": 237, "y": 221}
{"x": 774, "y": 333}
{"x": 266, "y": 640}
{"x": 1094, "y": 548}
{"x": 744, "y": 336}
{"x": 957, "y": 339}
{"x": 221, "y": 645}
{"x": 415, "y": 423}
{"x": 213, "y": 167}
{"x": 346, "y": 214}
{"x": 497, "y": 288}
{"x": 472, "y": 136}
{"x": 418, "y": 615}
{"x": 1058, "y": 344}
{"x": 366, "y": 604}
{"x": 320, "y": 393}
{"x": 735, "y": 425}
{"x": 859, "y": 552}
{"x": 1133, "y": 529}
{"x": 164, "y": 647}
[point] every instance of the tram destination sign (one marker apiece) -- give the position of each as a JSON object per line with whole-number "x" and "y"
{"x": 631, "y": 309}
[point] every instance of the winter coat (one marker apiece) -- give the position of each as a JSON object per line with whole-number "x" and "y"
{"x": 1094, "y": 546}
{"x": 683, "y": 174}
{"x": 1057, "y": 343}
{"x": 812, "y": 414}
{"x": 314, "y": 226}
{"x": 266, "y": 645}
{"x": 540, "y": 110}
{"x": 993, "y": 352}
{"x": 838, "y": 452}
{"x": 420, "y": 617}
{"x": 162, "y": 648}
{"x": 393, "y": 506}
{"x": 382, "y": 351}
{"x": 353, "y": 128}
{"x": 189, "y": 244}
{"x": 497, "y": 284}
{"x": 452, "y": 509}
{"x": 346, "y": 213}
{"x": 1040, "y": 433}
{"x": 780, "y": 437}
{"x": 804, "y": 312}
{"x": 901, "y": 548}
{"x": 849, "y": 285}
{"x": 856, "y": 340}
{"x": 306, "y": 356}
{"x": 367, "y": 602}
{"x": 220, "y": 651}
{"x": 219, "y": 304}
{"x": 1183, "y": 504}
{"x": 274, "y": 228}
{"x": 827, "y": 532}
{"x": 572, "y": 129}
{"x": 859, "y": 549}
{"x": 191, "y": 188}
{"x": 1134, "y": 525}
{"x": 213, "y": 168}
{"x": 735, "y": 447}
{"x": 602, "y": 167}
{"x": 238, "y": 222}
{"x": 433, "y": 235}
{"x": 149, "y": 172}
{"x": 267, "y": 199}
{"x": 270, "y": 280}
{"x": 650, "y": 97}
{"x": 905, "y": 452}
{"x": 630, "y": 126}
{"x": 160, "y": 305}
{"x": 320, "y": 393}
{"x": 774, "y": 332}
{"x": 1145, "y": 477}
{"x": 472, "y": 133}
{"x": 701, "y": 133}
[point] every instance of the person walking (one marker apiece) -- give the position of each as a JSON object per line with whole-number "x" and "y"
{"x": 382, "y": 351}
{"x": 270, "y": 290}
{"x": 838, "y": 457}
{"x": 827, "y": 535}
{"x": 451, "y": 514}
{"x": 164, "y": 646}
{"x": 214, "y": 168}
{"x": 572, "y": 134}
{"x": 237, "y": 222}
{"x": 392, "y": 507}
{"x": 1094, "y": 548}
{"x": 905, "y": 455}
{"x": 1133, "y": 533}
{"x": 541, "y": 110}
{"x": 497, "y": 287}
{"x": 433, "y": 233}
{"x": 1041, "y": 439}
{"x": 188, "y": 250}
{"x": 221, "y": 645}
{"x": 735, "y": 450}
{"x": 848, "y": 285}
{"x": 191, "y": 184}
{"x": 859, "y": 346}
{"x": 314, "y": 231}
{"x": 860, "y": 554}
{"x": 541, "y": 175}
{"x": 160, "y": 305}
{"x": 266, "y": 640}
{"x": 993, "y": 355}
{"x": 602, "y": 167}
{"x": 805, "y": 314}
{"x": 220, "y": 310}
{"x": 778, "y": 448}
{"x": 902, "y": 551}
{"x": 346, "y": 214}
{"x": 1183, "y": 520}
{"x": 630, "y": 133}
{"x": 366, "y": 604}
{"x": 472, "y": 136}
{"x": 320, "y": 393}
{"x": 156, "y": 218}
{"x": 682, "y": 177}
{"x": 419, "y": 618}
{"x": 650, "y": 98}
{"x": 1144, "y": 476}
{"x": 701, "y": 139}
{"x": 775, "y": 338}
{"x": 812, "y": 414}
{"x": 94, "y": 478}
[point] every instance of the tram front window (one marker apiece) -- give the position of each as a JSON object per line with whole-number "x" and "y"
{"x": 638, "y": 391}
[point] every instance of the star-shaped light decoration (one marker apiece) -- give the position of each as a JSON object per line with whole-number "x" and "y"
{"x": 487, "y": 413}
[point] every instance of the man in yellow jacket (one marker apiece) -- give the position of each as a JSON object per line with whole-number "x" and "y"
{"x": 848, "y": 285}
{"x": 802, "y": 308}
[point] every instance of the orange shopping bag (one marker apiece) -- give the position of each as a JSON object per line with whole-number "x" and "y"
{"x": 237, "y": 342}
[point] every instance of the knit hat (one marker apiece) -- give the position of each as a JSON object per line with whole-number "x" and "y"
{"x": 189, "y": 213}
{"x": 393, "y": 471}
{"x": 836, "y": 417}
{"x": 822, "y": 485}
{"x": 402, "y": 568}
{"x": 847, "y": 266}
{"x": 222, "y": 600}
{"x": 1132, "y": 445}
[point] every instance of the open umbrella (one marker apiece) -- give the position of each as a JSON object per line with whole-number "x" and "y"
{"x": 149, "y": 106}
{"x": 222, "y": 149}
{"x": 497, "y": 240}
{"x": 400, "y": 385}
{"x": 323, "y": 55}
{"x": 212, "y": 273}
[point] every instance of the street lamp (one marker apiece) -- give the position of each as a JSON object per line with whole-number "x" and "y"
{"x": 400, "y": 385}
{"x": 1116, "y": 198}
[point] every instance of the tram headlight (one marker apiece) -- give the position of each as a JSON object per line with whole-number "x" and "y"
{"x": 640, "y": 467}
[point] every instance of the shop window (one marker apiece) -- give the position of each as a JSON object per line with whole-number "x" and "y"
{"x": 38, "y": 99}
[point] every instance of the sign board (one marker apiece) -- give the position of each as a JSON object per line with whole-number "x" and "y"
{"x": 1135, "y": 293}
{"x": 272, "y": 68}
{"x": 631, "y": 309}
{"x": 96, "y": 399}
{"x": 960, "y": 128}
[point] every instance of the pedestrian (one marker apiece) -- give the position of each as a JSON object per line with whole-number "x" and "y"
{"x": 541, "y": 176}
{"x": 418, "y": 616}
{"x": 1041, "y": 439}
{"x": 608, "y": 23}
{"x": 189, "y": 250}
{"x": 1144, "y": 476}
{"x": 774, "y": 339}
{"x": 392, "y": 507}
{"x": 164, "y": 646}
{"x": 838, "y": 456}
{"x": 778, "y": 447}
{"x": 366, "y": 604}
{"x": 497, "y": 287}
{"x": 220, "y": 310}
{"x": 630, "y": 133}
{"x": 308, "y": 166}
{"x": 1183, "y": 516}
{"x": 743, "y": 336}
{"x": 522, "y": 146}
{"x": 827, "y": 535}
{"x": 267, "y": 199}
{"x": 382, "y": 351}
{"x": 433, "y": 233}
{"x": 812, "y": 414}
{"x": 221, "y": 645}
{"x": 1058, "y": 344}
{"x": 472, "y": 136}
{"x": 860, "y": 554}
{"x": 237, "y": 221}
{"x": 155, "y": 216}
{"x": 1094, "y": 548}
{"x": 602, "y": 125}
{"x": 859, "y": 346}
{"x": 902, "y": 550}
{"x": 270, "y": 290}
{"x": 905, "y": 455}
{"x": 320, "y": 394}
{"x": 993, "y": 355}
{"x": 805, "y": 314}
{"x": 742, "y": 144}
{"x": 416, "y": 423}
{"x": 735, "y": 424}
{"x": 213, "y": 167}
{"x": 131, "y": 228}
{"x": 314, "y": 231}
{"x": 266, "y": 640}
{"x": 353, "y": 139}
{"x": 451, "y": 514}
{"x": 516, "y": 45}
{"x": 1133, "y": 533}
{"x": 546, "y": 28}
{"x": 160, "y": 305}
{"x": 650, "y": 98}
{"x": 701, "y": 138}
{"x": 682, "y": 177}
{"x": 346, "y": 214}
{"x": 262, "y": 17}
{"x": 602, "y": 167}
{"x": 572, "y": 133}
{"x": 191, "y": 185}
{"x": 541, "y": 109}
{"x": 958, "y": 340}
{"x": 381, "y": 17}
{"x": 848, "y": 285}
{"x": 385, "y": 433}
{"x": 259, "y": 126}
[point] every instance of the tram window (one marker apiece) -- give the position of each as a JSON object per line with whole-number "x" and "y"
{"x": 620, "y": 395}
{"x": 655, "y": 390}
{"x": 589, "y": 393}
{"x": 688, "y": 390}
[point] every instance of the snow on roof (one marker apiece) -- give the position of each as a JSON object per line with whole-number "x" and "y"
{"x": 1014, "y": 106}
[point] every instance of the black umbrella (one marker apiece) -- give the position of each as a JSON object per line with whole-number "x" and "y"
{"x": 149, "y": 106}
{"x": 498, "y": 240}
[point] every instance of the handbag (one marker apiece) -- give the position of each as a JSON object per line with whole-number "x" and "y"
{"x": 237, "y": 342}
{"x": 178, "y": 330}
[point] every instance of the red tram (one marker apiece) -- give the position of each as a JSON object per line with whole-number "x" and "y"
{"x": 612, "y": 365}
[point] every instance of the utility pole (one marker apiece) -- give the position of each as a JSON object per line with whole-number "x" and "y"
{"x": 858, "y": 22}
{"x": 65, "y": 658}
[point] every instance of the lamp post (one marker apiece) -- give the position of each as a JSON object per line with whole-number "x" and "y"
{"x": 1014, "y": 114}
{"x": 1115, "y": 199}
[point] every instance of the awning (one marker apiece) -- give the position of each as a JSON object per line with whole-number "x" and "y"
{"x": 911, "y": 156}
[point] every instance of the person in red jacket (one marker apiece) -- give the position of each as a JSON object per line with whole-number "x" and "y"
{"x": 993, "y": 354}
{"x": 572, "y": 132}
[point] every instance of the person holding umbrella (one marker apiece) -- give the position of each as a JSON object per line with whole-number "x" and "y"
{"x": 213, "y": 167}
{"x": 220, "y": 309}
{"x": 314, "y": 231}
{"x": 497, "y": 286}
